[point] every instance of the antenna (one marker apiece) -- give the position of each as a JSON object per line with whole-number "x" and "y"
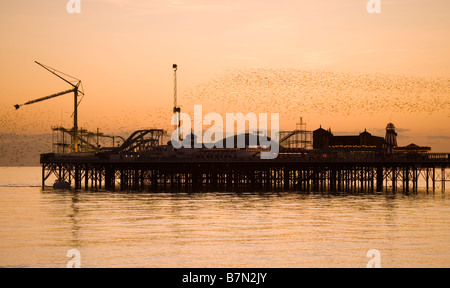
{"x": 175, "y": 68}
{"x": 176, "y": 109}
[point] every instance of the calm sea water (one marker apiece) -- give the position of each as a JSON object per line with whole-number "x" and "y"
{"x": 37, "y": 228}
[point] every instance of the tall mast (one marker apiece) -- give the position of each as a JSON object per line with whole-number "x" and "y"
{"x": 176, "y": 109}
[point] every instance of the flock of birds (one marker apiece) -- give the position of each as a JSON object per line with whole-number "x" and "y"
{"x": 23, "y": 150}
{"x": 289, "y": 92}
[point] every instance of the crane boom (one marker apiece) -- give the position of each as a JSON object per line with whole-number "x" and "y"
{"x": 17, "y": 106}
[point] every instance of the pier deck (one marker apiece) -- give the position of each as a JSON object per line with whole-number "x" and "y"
{"x": 237, "y": 170}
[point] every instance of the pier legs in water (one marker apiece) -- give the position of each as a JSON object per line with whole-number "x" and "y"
{"x": 248, "y": 177}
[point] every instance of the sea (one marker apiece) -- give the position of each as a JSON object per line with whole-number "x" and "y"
{"x": 40, "y": 228}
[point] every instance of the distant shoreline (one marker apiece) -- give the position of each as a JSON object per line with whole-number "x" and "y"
{"x": 20, "y": 166}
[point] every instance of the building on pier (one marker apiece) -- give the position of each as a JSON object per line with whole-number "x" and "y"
{"x": 390, "y": 140}
{"x": 325, "y": 140}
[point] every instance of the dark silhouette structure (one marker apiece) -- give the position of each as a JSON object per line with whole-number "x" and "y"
{"x": 143, "y": 163}
{"x": 325, "y": 140}
{"x": 390, "y": 140}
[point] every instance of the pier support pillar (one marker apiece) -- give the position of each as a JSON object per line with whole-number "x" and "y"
{"x": 394, "y": 179}
{"x": 286, "y": 180}
{"x": 86, "y": 178}
{"x": 380, "y": 179}
{"x": 43, "y": 176}
{"x": 77, "y": 178}
{"x": 434, "y": 179}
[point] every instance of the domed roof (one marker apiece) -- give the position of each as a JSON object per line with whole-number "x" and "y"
{"x": 390, "y": 126}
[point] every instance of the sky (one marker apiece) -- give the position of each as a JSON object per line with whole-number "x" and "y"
{"x": 123, "y": 51}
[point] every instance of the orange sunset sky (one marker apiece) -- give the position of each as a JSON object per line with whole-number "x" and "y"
{"x": 329, "y": 61}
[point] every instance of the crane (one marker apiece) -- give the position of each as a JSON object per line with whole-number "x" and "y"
{"x": 75, "y": 90}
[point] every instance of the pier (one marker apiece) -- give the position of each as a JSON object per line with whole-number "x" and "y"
{"x": 196, "y": 170}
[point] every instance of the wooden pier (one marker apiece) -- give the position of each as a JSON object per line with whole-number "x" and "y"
{"x": 209, "y": 171}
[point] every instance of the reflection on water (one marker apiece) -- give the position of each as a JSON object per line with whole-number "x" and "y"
{"x": 37, "y": 228}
